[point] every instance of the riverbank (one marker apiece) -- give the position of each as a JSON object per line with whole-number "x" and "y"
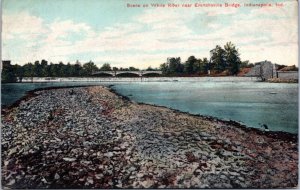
{"x": 279, "y": 80}
{"x": 88, "y": 137}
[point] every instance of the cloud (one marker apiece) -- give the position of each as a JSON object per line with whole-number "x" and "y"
{"x": 150, "y": 37}
{"x": 22, "y": 25}
{"x": 61, "y": 29}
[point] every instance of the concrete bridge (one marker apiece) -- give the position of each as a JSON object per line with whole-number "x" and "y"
{"x": 116, "y": 73}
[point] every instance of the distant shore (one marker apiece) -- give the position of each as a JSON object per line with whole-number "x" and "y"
{"x": 89, "y": 137}
{"x": 155, "y": 79}
{"x": 140, "y": 79}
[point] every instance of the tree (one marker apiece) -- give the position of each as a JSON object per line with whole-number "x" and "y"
{"x": 37, "y": 69}
{"x": 218, "y": 59}
{"x": 8, "y": 73}
{"x": 51, "y": 70}
{"x": 261, "y": 72}
{"x": 174, "y": 65}
{"x": 232, "y": 58}
{"x": 77, "y": 69}
{"x": 28, "y": 70}
{"x": 44, "y": 68}
{"x": 124, "y": 69}
{"x": 204, "y": 65}
{"x": 105, "y": 67}
{"x": 61, "y": 69}
{"x": 133, "y": 69}
{"x": 164, "y": 68}
{"x": 191, "y": 66}
{"x": 150, "y": 69}
{"x": 89, "y": 68}
{"x": 19, "y": 72}
{"x": 246, "y": 64}
{"x": 69, "y": 70}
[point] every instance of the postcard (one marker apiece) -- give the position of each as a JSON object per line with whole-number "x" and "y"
{"x": 149, "y": 94}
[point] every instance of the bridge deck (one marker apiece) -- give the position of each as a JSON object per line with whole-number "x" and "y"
{"x": 115, "y": 73}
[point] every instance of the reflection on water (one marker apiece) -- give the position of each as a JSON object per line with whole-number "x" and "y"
{"x": 253, "y": 104}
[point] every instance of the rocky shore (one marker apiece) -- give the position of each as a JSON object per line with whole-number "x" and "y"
{"x": 89, "y": 137}
{"x": 279, "y": 80}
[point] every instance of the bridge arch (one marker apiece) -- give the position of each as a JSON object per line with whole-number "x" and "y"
{"x": 109, "y": 73}
{"x": 128, "y": 73}
{"x": 151, "y": 73}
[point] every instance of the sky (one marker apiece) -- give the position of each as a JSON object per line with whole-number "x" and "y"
{"x": 110, "y": 32}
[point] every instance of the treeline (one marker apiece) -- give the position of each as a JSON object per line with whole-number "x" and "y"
{"x": 14, "y": 73}
{"x": 11, "y": 73}
{"x": 222, "y": 60}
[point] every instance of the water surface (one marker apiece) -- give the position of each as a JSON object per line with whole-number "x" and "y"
{"x": 251, "y": 103}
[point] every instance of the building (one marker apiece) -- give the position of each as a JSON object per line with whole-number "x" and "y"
{"x": 5, "y": 63}
{"x": 266, "y": 70}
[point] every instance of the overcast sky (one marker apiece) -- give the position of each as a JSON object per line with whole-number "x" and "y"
{"x": 108, "y": 31}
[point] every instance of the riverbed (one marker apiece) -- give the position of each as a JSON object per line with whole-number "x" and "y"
{"x": 89, "y": 137}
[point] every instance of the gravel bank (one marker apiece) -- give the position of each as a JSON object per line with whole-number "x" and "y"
{"x": 88, "y": 137}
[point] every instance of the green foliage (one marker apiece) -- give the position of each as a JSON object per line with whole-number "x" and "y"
{"x": 204, "y": 65}
{"x": 19, "y": 72}
{"x": 245, "y": 64}
{"x": 174, "y": 65}
{"x": 8, "y": 73}
{"x": 44, "y": 68}
{"x": 28, "y": 70}
{"x": 191, "y": 66}
{"x": 105, "y": 67}
{"x": 218, "y": 59}
{"x": 37, "y": 69}
{"x": 133, "y": 69}
{"x": 164, "y": 68}
{"x": 221, "y": 59}
{"x": 150, "y": 69}
{"x": 89, "y": 68}
{"x": 232, "y": 57}
{"x": 227, "y": 58}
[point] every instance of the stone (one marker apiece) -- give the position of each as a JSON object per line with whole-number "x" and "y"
{"x": 56, "y": 176}
{"x": 223, "y": 177}
{"x": 69, "y": 159}
{"x": 99, "y": 176}
{"x": 11, "y": 182}
{"x": 131, "y": 169}
{"x": 233, "y": 173}
{"x": 85, "y": 162}
{"x": 108, "y": 154}
{"x": 44, "y": 180}
{"x": 90, "y": 180}
{"x": 119, "y": 185}
{"x": 227, "y": 186}
{"x": 12, "y": 151}
{"x": 147, "y": 183}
